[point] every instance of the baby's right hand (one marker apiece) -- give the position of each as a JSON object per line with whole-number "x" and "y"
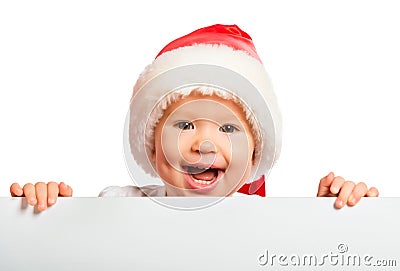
{"x": 42, "y": 194}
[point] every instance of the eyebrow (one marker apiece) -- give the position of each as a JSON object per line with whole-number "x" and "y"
{"x": 221, "y": 118}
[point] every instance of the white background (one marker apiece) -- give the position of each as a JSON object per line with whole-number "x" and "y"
{"x": 67, "y": 72}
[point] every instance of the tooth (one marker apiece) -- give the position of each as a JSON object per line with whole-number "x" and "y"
{"x": 202, "y": 182}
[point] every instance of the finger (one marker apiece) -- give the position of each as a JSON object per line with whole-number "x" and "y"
{"x": 344, "y": 194}
{"x": 65, "y": 190}
{"x": 359, "y": 191}
{"x": 52, "y": 193}
{"x": 373, "y": 192}
{"x": 337, "y": 184}
{"x": 30, "y": 193}
{"x": 41, "y": 195}
{"x": 16, "y": 190}
{"x": 324, "y": 185}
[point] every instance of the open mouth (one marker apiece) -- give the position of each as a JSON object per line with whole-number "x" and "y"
{"x": 203, "y": 178}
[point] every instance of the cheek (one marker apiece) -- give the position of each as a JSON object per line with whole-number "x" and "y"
{"x": 241, "y": 157}
{"x": 173, "y": 145}
{"x": 241, "y": 147}
{"x": 164, "y": 168}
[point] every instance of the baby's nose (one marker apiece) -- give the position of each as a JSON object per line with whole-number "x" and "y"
{"x": 207, "y": 146}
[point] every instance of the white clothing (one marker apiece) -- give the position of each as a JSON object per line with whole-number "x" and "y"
{"x": 134, "y": 191}
{"x": 144, "y": 191}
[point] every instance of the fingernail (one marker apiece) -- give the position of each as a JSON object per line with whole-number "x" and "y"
{"x": 51, "y": 201}
{"x": 32, "y": 200}
{"x": 334, "y": 190}
{"x": 351, "y": 200}
{"x": 42, "y": 206}
{"x": 339, "y": 203}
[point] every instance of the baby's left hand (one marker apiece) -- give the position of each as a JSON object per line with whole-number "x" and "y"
{"x": 347, "y": 192}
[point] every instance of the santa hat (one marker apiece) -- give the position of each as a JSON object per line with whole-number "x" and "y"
{"x": 220, "y": 60}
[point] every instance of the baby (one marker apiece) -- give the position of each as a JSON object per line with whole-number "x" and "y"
{"x": 205, "y": 120}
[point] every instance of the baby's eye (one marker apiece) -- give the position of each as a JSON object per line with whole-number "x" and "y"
{"x": 228, "y": 128}
{"x": 184, "y": 125}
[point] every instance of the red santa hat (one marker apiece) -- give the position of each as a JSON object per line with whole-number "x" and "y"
{"x": 220, "y": 60}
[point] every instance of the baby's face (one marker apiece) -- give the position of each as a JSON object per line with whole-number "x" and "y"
{"x": 203, "y": 146}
